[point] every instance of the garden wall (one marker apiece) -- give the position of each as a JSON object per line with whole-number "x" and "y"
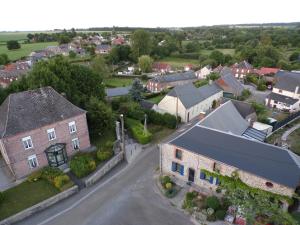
{"x": 104, "y": 170}
{"x": 39, "y": 207}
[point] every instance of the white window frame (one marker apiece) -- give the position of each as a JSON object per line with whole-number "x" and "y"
{"x": 49, "y": 133}
{"x": 31, "y": 158}
{"x": 26, "y": 139}
{"x": 78, "y": 143}
{"x": 72, "y": 125}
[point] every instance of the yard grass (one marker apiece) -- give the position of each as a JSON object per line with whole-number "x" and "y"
{"x": 25, "y": 49}
{"x": 25, "y": 195}
{"x": 294, "y": 140}
{"x": 118, "y": 82}
{"x": 229, "y": 51}
{"x": 156, "y": 99}
{"x": 159, "y": 132}
{"x": 179, "y": 62}
{"x": 99, "y": 141}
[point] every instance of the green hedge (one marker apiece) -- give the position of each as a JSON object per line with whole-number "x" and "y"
{"x": 165, "y": 119}
{"x": 137, "y": 130}
{"x": 82, "y": 165}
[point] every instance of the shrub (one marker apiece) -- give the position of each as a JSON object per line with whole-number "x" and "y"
{"x": 137, "y": 131}
{"x": 1, "y": 197}
{"x": 212, "y": 202}
{"x": 82, "y": 165}
{"x": 49, "y": 173}
{"x": 169, "y": 186}
{"x": 211, "y": 218}
{"x": 220, "y": 214}
{"x": 165, "y": 119}
{"x": 188, "y": 202}
{"x": 35, "y": 176}
{"x": 61, "y": 180}
{"x": 104, "y": 155}
{"x": 108, "y": 145}
{"x": 165, "y": 180}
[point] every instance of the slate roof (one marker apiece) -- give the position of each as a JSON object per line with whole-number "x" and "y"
{"x": 29, "y": 110}
{"x": 189, "y": 95}
{"x": 243, "y": 65}
{"x": 119, "y": 91}
{"x": 190, "y": 75}
{"x": 226, "y": 118}
{"x": 282, "y": 98}
{"x": 287, "y": 80}
{"x": 244, "y": 108}
{"x": 229, "y": 80}
{"x": 261, "y": 159}
{"x": 146, "y": 104}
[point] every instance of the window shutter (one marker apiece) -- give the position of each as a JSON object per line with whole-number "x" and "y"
{"x": 202, "y": 176}
{"x": 173, "y": 167}
{"x": 211, "y": 180}
{"x": 217, "y": 181}
{"x": 181, "y": 170}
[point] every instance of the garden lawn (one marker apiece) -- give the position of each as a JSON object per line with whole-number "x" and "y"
{"x": 117, "y": 82}
{"x": 229, "y": 51}
{"x": 294, "y": 140}
{"x": 25, "y": 49}
{"x": 179, "y": 62}
{"x": 159, "y": 132}
{"x": 25, "y": 195}
{"x": 99, "y": 141}
{"x": 156, "y": 99}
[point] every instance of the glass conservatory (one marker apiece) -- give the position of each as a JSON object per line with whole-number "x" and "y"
{"x": 56, "y": 154}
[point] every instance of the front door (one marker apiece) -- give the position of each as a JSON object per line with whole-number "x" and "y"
{"x": 191, "y": 175}
{"x": 188, "y": 117}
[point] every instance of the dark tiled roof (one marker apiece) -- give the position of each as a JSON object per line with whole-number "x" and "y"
{"x": 30, "y": 110}
{"x": 282, "y": 98}
{"x": 226, "y": 118}
{"x": 175, "y": 77}
{"x": 189, "y": 95}
{"x": 261, "y": 159}
{"x": 146, "y": 104}
{"x": 287, "y": 81}
{"x": 244, "y": 108}
{"x": 119, "y": 91}
{"x": 228, "y": 78}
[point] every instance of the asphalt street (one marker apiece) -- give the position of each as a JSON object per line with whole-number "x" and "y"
{"x": 128, "y": 195}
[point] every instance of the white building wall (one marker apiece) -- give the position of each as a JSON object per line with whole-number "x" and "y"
{"x": 286, "y": 93}
{"x": 169, "y": 104}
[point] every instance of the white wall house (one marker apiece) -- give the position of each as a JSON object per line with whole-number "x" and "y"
{"x": 202, "y": 73}
{"x": 286, "y": 92}
{"x": 188, "y": 102}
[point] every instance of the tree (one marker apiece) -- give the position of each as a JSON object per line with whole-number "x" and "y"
{"x": 99, "y": 116}
{"x": 145, "y": 63}
{"x": 217, "y": 56}
{"x": 136, "y": 90}
{"x": 99, "y": 66}
{"x": 294, "y": 56}
{"x": 72, "y": 54}
{"x": 3, "y": 59}
{"x": 64, "y": 39}
{"x": 12, "y": 44}
{"x": 141, "y": 43}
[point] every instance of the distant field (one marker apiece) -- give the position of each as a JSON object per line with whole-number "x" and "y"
{"x": 229, "y": 51}
{"x": 179, "y": 62}
{"x": 25, "y": 49}
{"x": 18, "y": 36}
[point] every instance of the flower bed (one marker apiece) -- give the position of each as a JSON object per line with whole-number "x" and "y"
{"x": 169, "y": 187}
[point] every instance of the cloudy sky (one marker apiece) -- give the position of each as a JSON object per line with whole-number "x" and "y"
{"x": 50, "y": 14}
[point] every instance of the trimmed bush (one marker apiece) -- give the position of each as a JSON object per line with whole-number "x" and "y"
{"x": 49, "y": 173}
{"x": 61, "y": 180}
{"x": 82, "y": 165}
{"x": 104, "y": 155}
{"x": 137, "y": 131}
{"x": 165, "y": 119}
{"x": 35, "y": 176}
{"x": 220, "y": 214}
{"x": 165, "y": 180}
{"x": 1, "y": 197}
{"x": 169, "y": 186}
{"x": 212, "y": 202}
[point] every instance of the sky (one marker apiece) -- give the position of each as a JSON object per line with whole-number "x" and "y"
{"x": 32, "y": 15}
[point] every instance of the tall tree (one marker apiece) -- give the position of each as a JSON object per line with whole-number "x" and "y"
{"x": 12, "y": 44}
{"x": 141, "y": 43}
{"x": 99, "y": 66}
{"x": 136, "y": 90}
{"x": 145, "y": 63}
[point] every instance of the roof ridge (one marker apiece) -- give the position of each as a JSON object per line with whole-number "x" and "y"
{"x": 7, "y": 114}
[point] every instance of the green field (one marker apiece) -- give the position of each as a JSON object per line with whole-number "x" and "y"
{"x": 229, "y": 51}
{"x": 25, "y": 49}
{"x": 179, "y": 62}
{"x": 117, "y": 82}
{"x": 7, "y": 36}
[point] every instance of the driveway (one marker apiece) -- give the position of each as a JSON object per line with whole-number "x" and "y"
{"x": 6, "y": 178}
{"x": 258, "y": 96}
{"x": 127, "y": 196}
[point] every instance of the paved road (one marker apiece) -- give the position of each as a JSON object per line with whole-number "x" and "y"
{"x": 289, "y": 131}
{"x": 258, "y": 96}
{"x": 128, "y": 196}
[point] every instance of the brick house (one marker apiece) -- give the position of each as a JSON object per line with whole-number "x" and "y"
{"x": 161, "y": 67}
{"x": 258, "y": 164}
{"x": 39, "y": 128}
{"x": 160, "y": 83}
{"x": 240, "y": 70}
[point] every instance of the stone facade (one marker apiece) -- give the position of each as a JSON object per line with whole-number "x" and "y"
{"x": 16, "y": 156}
{"x": 198, "y": 162}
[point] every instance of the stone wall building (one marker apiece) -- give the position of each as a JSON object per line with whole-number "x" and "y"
{"x": 39, "y": 128}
